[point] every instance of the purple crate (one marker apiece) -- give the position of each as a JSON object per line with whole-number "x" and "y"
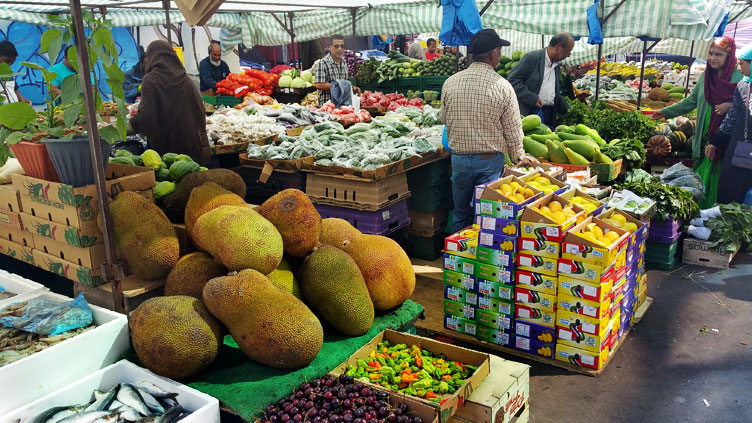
{"x": 532, "y": 345}
{"x": 667, "y": 229}
{"x": 661, "y": 239}
{"x": 381, "y": 222}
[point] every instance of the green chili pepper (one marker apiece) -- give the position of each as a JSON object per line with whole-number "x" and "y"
{"x": 410, "y": 391}
{"x": 443, "y": 387}
{"x": 428, "y": 367}
{"x": 362, "y": 363}
{"x": 390, "y": 362}
{"x": 381, "y": 360}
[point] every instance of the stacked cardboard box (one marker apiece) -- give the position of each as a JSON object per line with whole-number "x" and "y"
{"x": 428, "y": 206}
{"x": 14, "y": 241}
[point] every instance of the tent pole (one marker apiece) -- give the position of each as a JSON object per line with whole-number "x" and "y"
{"x": 689, "y": 68}
{"x": 166, "y": 5}
{"x": 112, "y": 270}
{"x": 600, "y": 49}
{"x": 642, "y": 71}
{"x": 353, "y": 12}
{"x": 293, "y": 53}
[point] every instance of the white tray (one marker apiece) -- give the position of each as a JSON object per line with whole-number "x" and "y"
{"x": 203, "y": 408}
{"x": 22, "y": 287}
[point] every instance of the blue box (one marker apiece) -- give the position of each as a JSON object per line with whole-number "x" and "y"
{"x": 498, "y": 225}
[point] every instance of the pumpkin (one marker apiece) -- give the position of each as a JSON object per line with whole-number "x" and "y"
{"x": 662, "y": 129}
{"x": 678, "y": 141}
{"x": 688, "y": 127}
{"x": 658, "y": 145}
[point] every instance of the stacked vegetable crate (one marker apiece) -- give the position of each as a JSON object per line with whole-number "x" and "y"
{"x": 376, "y": 207}
{"x": 428, "y": 206}
{"x": 663, "y": 244}
{"x": 260, "y": 186}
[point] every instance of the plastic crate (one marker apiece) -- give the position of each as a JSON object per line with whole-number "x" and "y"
{"x": 431, "y": 198}
{"x": 659, "y": 252}
{"x": 386, "y": 86}
{"x": 278, "y": 181}
{"x": 381, "y": 222}
{"x": 226, "y": 100}
{"x": 668, "y": 265}
{"x": 434, "y": 174}
{"x": 208, "y": 99}
{"x": 664, "y": 230}
{"x": 434, "y": 83}
{"x": 425, "y": 248}
{"x": 403, "y": 85}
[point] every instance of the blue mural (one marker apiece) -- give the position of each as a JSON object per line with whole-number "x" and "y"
{"x": 27, "y": 38}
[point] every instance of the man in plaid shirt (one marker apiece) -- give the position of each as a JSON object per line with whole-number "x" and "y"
{"x": 483, "y": 123}
{"x": 331, "y": 67}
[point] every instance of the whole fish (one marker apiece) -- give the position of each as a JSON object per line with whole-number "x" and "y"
{"x": 57, "y": 414}
{"x": 90, "y": 417}
{"x": 102, "y": 402}
{"x": 129, "y": 396}
{"x": 150, "y": 401}
{"x": 154, "y": 390}
{"x": 173, "y": 414}
{"x": 127, "y": 413}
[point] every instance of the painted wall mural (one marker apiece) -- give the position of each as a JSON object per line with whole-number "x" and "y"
{"x": 27, "y": 37}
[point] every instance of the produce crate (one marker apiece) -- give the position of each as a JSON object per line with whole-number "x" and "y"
{"x": 701, "y": 253}
{"x": 380, "y": 222}
{"x": 434, "y": 83}
{"x": 259, "y": 187}
{"x": 229, "y": 101}
{"x": 385, "y": 87}
{"x": 209, "y": 99}
{"x": 436, "y": 173}
{"x": 665, "y": 232}
{"x": 657, "y": 252}
{"x": 429, "y": 199}
{"x": 356, "y": 194}
{"x": 404, "y": 85}
{"x": 427, "y": 224}
{"x": 425, "y": 248}
{"x": 661, "y": 265}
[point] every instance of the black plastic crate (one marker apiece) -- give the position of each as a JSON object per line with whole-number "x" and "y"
{"x": 434, "y": 174}
{"x": 277, "y": 182}
{"x": 425, "y": 248}
{"x": 431, "y": 198}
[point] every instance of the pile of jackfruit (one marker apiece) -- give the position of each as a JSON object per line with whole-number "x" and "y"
{"x": 269, "y": 275}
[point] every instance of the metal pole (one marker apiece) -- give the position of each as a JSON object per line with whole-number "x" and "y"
{"x": 689, "y": 68}
{"x": 166, "y": 5}
{"x": 642, "y": 71}
{"x": 600, "y": 53}
{"x": 353, "y": 12}
{"x": 293, "y": 54}
{"x": 543, "y": 41}
{"x": 111, "y": 269}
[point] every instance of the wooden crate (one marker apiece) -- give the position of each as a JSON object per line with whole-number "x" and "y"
{"x": 135, "y": 291}
{"x": 700, "y": 253}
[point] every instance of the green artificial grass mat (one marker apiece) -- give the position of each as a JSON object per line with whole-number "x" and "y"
{"x": 247, "y": 387}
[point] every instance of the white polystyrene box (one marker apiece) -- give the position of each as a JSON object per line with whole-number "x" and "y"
{"x": 41, "y": 373}
{"x": 203, "y": 408}
{"x": 22, "y": 287}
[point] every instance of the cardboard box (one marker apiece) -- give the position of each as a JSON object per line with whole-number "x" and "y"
{"x": 460, "y": 295}
{"x": 495, "y": 290}
{"x": 61, "y": 364}
{"x": 356, "y": 194}
{"x": 495, "y": 305}
{"x": 460, "y": 280}
{"x": 637, "y": 236}
{"x": 202, "y": 407}
{"x": 18, "y": 251}
{"x": 459, "y": 324}
{"x": 534, "y": 331}
{"x": 494, "y": 336}
{"x": 584, "y": 250}
{"x": 583, "y": 307}
{"x": 19, "y": 236}
{"x": 701, "y": 253}
{"x": 538, "y": 226}
{"x": 383, "y": 171}
{"x": 535, "y": 299}
{"x": 495, "y": 204}
{"x": 542, "y": 265}
{"x": 576, "y": 192}
{"x": 589, "y": 272}
{"x": 585, "y": 341}
{"x": 11, "y": 219}
{"x": 539, "y": 247}
{"x": 22, "y": 288}
{"x": 494, "y": 241}
{"x": 501, "y": 397}
{"x": 560, "y": 186}
{"x": 68, "y": 270}
{"x": 9, "y": 198}
{"x": 536, "y": 281}
{"x": 495, "y": 257}
{"x": 69, "y": 235}
{"x": 460, "y": 264}
{"x": 499, "y": 225}
{"x": 454, "y": 308}
{"x": 580, "y": 357}
{"x": 493, "y": 273}
{"x": 91, "y": 257}
{"x": 584, "y": 289}
{"x": 449, "y": 403}
{"x": 534, "y": 315}
{"x": 428, "y": 223}
{"x": 492, "y": 319}
{"x": 463, "y": 243}
{"x": 535, "y": 346}
{"x": 580, "y": 323}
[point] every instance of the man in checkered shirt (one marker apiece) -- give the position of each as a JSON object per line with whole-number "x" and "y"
{"x": 483, "y": 123}
{"x": 331, "y": 67}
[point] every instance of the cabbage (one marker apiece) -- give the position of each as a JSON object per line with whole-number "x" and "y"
{"x": 285, "y": 81}
{"x": 298, "y": 83}
{"x": 307, "y": 75}
{"x": 288, "y": 72}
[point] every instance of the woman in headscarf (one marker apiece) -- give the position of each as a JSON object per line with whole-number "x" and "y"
{"x": 416, "y": 51}
{"x": 735, "y": 181}
{"x": 712, "y": 97}
{"x": 171, "y": 114}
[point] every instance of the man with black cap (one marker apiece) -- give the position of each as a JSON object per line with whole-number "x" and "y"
{"x": 480, "y": 111}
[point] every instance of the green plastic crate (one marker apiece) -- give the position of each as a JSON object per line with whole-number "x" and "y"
{"x": 386, "y": 87}
{"x": 404, "y": 85}
{"x": 434, "y": 83}
{"x": 661, "y": 253}
{"x": 209, "y": 99}
{"x": 426, "y": 248}
{"x": 434, "y": 174}
{"x": 667, "y": 265}
{"x": 229, "y": 101}
{"x": 428, "y": 199}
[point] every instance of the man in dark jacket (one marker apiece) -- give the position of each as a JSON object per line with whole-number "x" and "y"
{"x": 536, "y": 79}
{"x": 133, "y": 78}
{"x": 212, "y": 69}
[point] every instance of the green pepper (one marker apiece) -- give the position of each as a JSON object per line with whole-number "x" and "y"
{"x": 390, "y": 362}
{"x": 410, "y": 391}
{"x": 434, "y": 399}
{"x": 352, "y": 371}
{"x": 422, "y": 384}
{"x": 421, "y": 393}
{"x": 404, "y": 357}
{"x": 428, "y": 366}
{"x": 388, "y": 373}
{"x": 381, "y": 360}
{"x": 362, "y": 363}
{"x": 443, "y": 387}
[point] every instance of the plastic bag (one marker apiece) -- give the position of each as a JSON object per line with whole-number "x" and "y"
{"x": 594, "y": 25}
{"x": 48, "y": 317}
{"x": 709, "y": 172}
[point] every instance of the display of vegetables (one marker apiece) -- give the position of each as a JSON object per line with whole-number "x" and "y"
{"x": 353, "y": 62}
{"x": 672, "y": 202}
{"x": 733, "y": 228}
{"x": 611, "y": 89}
{"x": 292, "y": 116}
{"x": 506, "y": 64}
{"x": 279, "y": 69}
{"x": 232, "y": 126}
{"x": 444, "y": 65}
{"x": 424, "y": 116}
{"x": 344, "y": 113}
{"x": 367, "y": 71}
{"x": 168, "y": 169}
{"x": 411, "y": 370}
{"x": 253, "y": 80}
{"x": 391, "y": 101}
{"x": 398, "y": 66}
{"x": 294, "y": 78}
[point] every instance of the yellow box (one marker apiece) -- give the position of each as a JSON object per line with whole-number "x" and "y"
{"x": 583, "y": 307}
{"x": 543, "y": 265}
{"x": 587, "y": 342}
{"x": 584, "y": 289}
{"x": 532, "y": 298}
{"x": 535, "y": 315}
{"x": 589, "y": 325}
{"x": 590, "y": 272}
{"x": 535, "y": 281}
{"x": 539, "y": 247}
{"x": 535, "y": 225}
{"x": 583, "y": 250}
{"x": 580, "y": 357}
{"x": 463, "y": 243}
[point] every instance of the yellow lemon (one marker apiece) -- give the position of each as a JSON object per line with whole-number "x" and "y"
{"x": 560, "y": 216}
{"x": 619, "y": 218}
{"x": 506, "y": 189}
{"x": 515, "y": 186}
{"x": 610, "y": 237}
{"x": 542, "y": 180}
{"x": 528, "y": 193}
{"x": 630, "y": 227}
{"x": 554, "y": 206}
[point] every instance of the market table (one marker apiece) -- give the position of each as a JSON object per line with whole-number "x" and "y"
{"x": 247, "y": 387}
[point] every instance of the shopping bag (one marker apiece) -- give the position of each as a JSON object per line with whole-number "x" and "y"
{"x": 710, "y": 172}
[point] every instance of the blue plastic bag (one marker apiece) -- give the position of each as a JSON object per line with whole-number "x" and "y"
{"x": 445, "y": 141}
{"x": 460, "y": 21}
{"x": 722, "y": 27}
{"x": 594, "y": 24}
{"x": 47, "y": 317}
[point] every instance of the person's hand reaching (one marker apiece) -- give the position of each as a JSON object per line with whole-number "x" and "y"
{"x": 539, "y": 104}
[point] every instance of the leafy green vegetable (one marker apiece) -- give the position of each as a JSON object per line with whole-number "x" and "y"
{"x": 671, "y": 202}
{"x": 630, "y": 150}
{"x": 733, "y": 228}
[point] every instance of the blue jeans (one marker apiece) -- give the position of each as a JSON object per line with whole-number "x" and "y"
{"x": 469, "y": 170}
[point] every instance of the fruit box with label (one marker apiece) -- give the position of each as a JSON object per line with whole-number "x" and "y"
{"x": 449, "y": 402}
{"x": 539, "y": 247}
{"x": 9, "y": 198}
{"x": 594, "y": 210}
{"x": 495, "y": 290}
{"x": 584, "y": 289}
{"x": 585, "y": 308}
{"x": 494, "y": 241}
{"x": 17, "y": 251}
{"x": 637, "y": 236}
{"x": 491, "y": 319}
{"x": 495, "y": 305}
{"x": 494, "y": 336}
{"x": 532, "y": 330}
{"x": 543, "y": 265}
{"x": 463, "y": 243}
{"x": 594, "y": 241}
{"x": 454, "y": 308}
{"x": 535, "y": 346}
{"x": 70, "y": 235}
{"x": 534, "y": 315}
{"x": 19, "y": 236}
{"x": 496, "y": 257}
{"x": 495, "y": 204}
{"x": 580, "y": 357}
{"x": 460, "y": 264}
{"x": 533, "y": 298}
{"x": 533, "y": 179}
{"x": 536, "y": 281}
{"x": 460, "y": 295}
{"x": 587, "y": 271}
{"x": 68, "y": 270}
{"x": 460, "y": 280}
{"x": 459, "y": 324}
{"x": 500, "y": 398}
{"x": 92, "y": 257}
{"x": 580, "y": 323}
{"x": 499, "y": 225}
{"x": 494, "y": 273}
{"x": 535, "y": 224}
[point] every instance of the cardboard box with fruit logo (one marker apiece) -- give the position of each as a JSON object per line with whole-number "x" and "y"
{"x": 460, "y": 264}
{"x": 543, "y": 265}
{"x": 584, "y": 289}
{"x": 499, "y": 225}
{"x": 495, "y": 305}
{"x": 460, "y": 280}
{"x": 529, "y": 297}
{"x": 591, "y": 272}
{"x": 545, "y": 183}
{"x": 492, "y": 273}
{"x": 460, "y": 295}
{"x": 532, "y": 330}
{"x": 536, "y": 281}
{"x": 592, "y": 206}
{"x": 539, "y": 247}
{"x": 494, "y": 241}
{"x": 549, "y": 218}
{"x": 463, "y": 243}
{"x": 583, "y": 358}
{"x": 583, "y": 307}
{"x": 496, "y": 257}
{"x": 490, "y": 319}
{"x": 494, "y": 336}
{"x": 507, "y": 198}
{"x": 534, "y": 315}
{"x": 535, "y": 346}
{"x": 623, "y": 221}
{"x": 466, "y": 311}
{"x": 580, "y": 323}
{"x": 459, "y": 324}
{"x": 595, "y": 242}
{"x": 495, "y": 290}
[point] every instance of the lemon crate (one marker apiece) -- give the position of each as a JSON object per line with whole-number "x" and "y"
{"x": 404, "y": 85}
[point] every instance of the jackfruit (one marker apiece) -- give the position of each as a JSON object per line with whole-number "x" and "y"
{"x": 284, "y": 278}
{"x": 335, "y": 231}
{"x": 292, "y": 212}
{"x": 270, "y": 325}
{"x": 333, "y": 286}
{"x": 176, "y": 336}
{"x": 144, "y": 236}
{"x": 239, "y": 238}
{"x": 174, "y": 204}
{"x": 385, "y": 267}
{"x": 208, "y": 197}
{"x": 191, "y": 273}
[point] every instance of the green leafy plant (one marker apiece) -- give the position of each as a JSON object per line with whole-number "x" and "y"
{"x": 733, "y": 228}
{"x": 671, "y": 201}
